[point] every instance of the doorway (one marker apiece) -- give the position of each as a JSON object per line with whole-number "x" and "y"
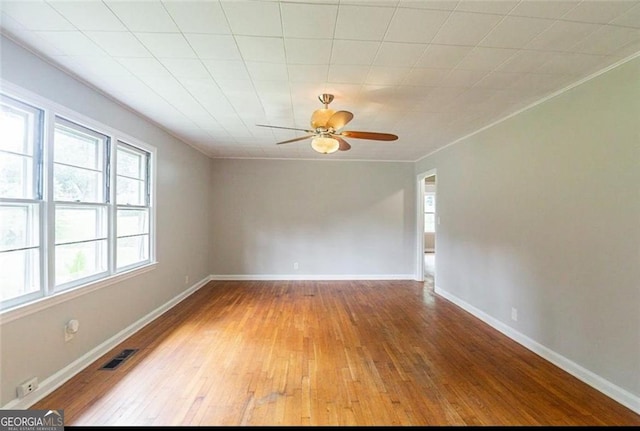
{"x": 426, "y": 229}
{"x": 430, "y": 230}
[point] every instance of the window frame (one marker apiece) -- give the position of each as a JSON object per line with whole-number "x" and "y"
{"x": 49, "y": 294}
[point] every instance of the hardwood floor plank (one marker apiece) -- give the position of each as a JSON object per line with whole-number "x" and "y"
{"x": 327, "y": 353}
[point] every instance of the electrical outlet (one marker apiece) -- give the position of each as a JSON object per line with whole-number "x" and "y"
{"x": 295, "y": 265}
{"x": 186, "y": 279}
{"x": 27, "y": 387}
{"x": 71, "y": 329}
{"x": 514, "y": 314}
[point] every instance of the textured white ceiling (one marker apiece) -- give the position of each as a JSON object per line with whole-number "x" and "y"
{"x": 427, "y": 71}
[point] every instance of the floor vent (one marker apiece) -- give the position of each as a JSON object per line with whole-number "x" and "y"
{"x": 118, "y": 359}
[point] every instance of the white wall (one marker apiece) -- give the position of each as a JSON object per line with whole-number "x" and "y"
{"x": 334, "y": 218}
{"x": 541, "y": 212}
{"x": 34, "y": 345}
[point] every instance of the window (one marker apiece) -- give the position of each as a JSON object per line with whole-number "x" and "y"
{"x": 80, "y": 190}
{"x": 20, "y": 200}
{"x": 430, "y": 212}
{"x": 133, "y": 205}
{"x": 74, "y": 207}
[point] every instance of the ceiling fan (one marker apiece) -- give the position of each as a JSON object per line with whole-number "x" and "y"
{"x": 326, "y": 129}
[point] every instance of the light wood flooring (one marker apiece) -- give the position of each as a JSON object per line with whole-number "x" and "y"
{"x": 327, "y": 353}
{"x": 429, "y": 270}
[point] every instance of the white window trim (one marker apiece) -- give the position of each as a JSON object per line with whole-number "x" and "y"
{"x": 47, "y": 296}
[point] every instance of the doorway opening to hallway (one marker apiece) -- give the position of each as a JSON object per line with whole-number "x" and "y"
{"x": 427, "y": 219}
{"x": 429, "y": 230}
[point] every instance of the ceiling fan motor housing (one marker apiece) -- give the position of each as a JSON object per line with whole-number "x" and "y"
{"x": 325, "y": 98}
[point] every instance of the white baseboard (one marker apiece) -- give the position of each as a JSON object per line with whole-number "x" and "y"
{"x": 54, "y": 381}
{"x": 611, "y": 390}
{"x": 311, "y": 277}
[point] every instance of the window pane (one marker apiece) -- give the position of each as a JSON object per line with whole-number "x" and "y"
{"x": 131, "y": 163}
{"x": 131, "y": 192}
{"x": 74, "y": 147}
{"x": 24, "y": 276}
{"x": 16, "y": 176}
{"x": 77, "y": 185}
{"x": 132, "y": 250}
{"x": 430, "y": 203}
{"x": 132, "y": 222}
{"x": 429, "y": 222}
{"x": 14, "y": 131}
{"x": 18, "y": 226}
{"x": 77, "y": 261}
{"x": 80, "y": 223}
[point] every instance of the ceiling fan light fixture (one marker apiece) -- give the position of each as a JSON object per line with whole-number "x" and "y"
{"x": 325, "y": 145}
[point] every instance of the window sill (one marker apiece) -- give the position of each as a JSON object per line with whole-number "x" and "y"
{"x": 48, "y": 301}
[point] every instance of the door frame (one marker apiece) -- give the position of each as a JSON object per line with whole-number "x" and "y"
{"x": 420, "y": 188}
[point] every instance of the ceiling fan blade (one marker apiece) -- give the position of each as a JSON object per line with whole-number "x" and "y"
{"x": 295, "y": 139}
{"x": 286, "y": 128}
{"x": 320, "y": 117}
{"x": 344, "y": 145}
{"x": 369, "y": 135}
{"x": 339, "y": 120}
